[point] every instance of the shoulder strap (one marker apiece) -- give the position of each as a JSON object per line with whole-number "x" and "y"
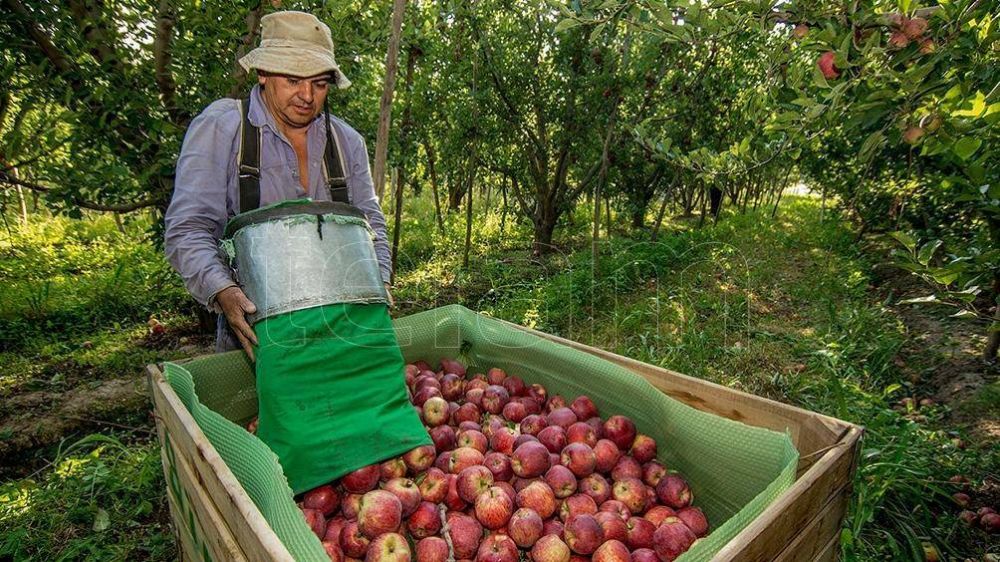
{"x": 249, "y": 160}
{"x": 336, "y": 182}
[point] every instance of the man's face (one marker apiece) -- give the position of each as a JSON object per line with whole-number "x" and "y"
{"x": 294, "y": 101}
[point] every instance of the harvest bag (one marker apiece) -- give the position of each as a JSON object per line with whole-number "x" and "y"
{"x": 329, "y": 371}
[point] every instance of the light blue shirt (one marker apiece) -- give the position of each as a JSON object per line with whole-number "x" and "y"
{"x": 206, "y": 187}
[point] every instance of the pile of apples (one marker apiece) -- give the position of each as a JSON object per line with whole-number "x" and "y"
{"x": 513, "y": 474}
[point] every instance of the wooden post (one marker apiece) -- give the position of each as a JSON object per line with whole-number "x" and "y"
{"x": 385, "y": 105}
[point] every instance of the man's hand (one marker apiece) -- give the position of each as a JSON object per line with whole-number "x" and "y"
{"x": 235, "y": 305}
{"x": 388, "y": 293}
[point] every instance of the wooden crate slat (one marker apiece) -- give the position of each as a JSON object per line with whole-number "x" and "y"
{"x": 245, "y": 521}
{"x": 767, "y": 535}
{"x": 187, "y": 551}
{"x": 811, "y": 541}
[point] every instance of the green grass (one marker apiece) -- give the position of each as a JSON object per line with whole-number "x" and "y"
{"x": 783, "y": 308}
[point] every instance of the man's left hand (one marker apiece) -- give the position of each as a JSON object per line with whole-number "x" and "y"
{"x": 388, "y": 293}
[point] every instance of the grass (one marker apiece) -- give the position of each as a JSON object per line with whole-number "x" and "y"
{"x": 783, "y": 308}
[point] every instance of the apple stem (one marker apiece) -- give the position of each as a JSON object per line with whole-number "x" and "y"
{"x": 446, "y": 531}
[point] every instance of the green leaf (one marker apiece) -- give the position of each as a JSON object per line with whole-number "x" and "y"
{"x": 965, "y": 147}
{"x": 566, "y": 24}
{"x": 596, "y": 32}
{"x": 927, "y": 251}
{"x": 904, "y": 6}
{"x": 908, "y": 242}
{"x": 101, "y": 520}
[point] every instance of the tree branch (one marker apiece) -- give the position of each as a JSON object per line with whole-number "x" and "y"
{"x": 239, "y": 75}
{"x": 100, "y": 40}
{"x": 123, "y": 208}
{"x": 162, "y": 60}
{"x": 44, "y": 43}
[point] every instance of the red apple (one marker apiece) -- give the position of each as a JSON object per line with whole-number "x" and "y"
{"x": 583, "y": 534}
{"x": 563, "y": 417}
{"x": 315, "y": 520}
{"x": 470, "y": 425}
{"x": 353, "y": 541}
{"x": 550, "y": 548}
{"x": 626, "y": 467}
{"x": 583, "y": 407}
{"x": 453, "y": 366}
{"x": 451, "y": 499}
{"x": 433, "y": 485}
{"x": 612, "y": 526}
{"x": 640, "y": 533}
{"x": 658, "y": 513}
{"x": 392, "y": 468}
{"x": 444, "y": 439}
{"x": 422, "y": 365}
{"x": 644, "y": 555}
{"x": 553, "y": 437}
{"x": 464, "y": 457}
{"x": 494, "y": 508}
{"x": 362, "y": 479}
{"x": 497, "y": 548}
{"x": 538, "y": 393}
{"x": 443, "y": 462}
{"x": 424, "y": 382}
{"x": 351, "y": 505}
{"x": 473, "y": 481}
{"x": 827, "y": 66}
{"x": 611, "y": 551}
{"x": 990, "y": 522}
{"x": 674, "y": 492}
{"x": 597, "y": 424}
{"x": 419, "y": 459}
{"x": 515, "y": 411}
{"x": 533, "y": 424}
{"x": 529, "y": 460}
{"x": 432, "y": 549}
{"x": 695, "y": 520}
{"x": 524, "y": 438}
{"x": 618, "y": 508}
{"x": 643, "y": 448}
{"x": 452, "y": 387}
{"x": 577, "y": 504}
{"x": 515, "y": 386}
{"x": 672, "y": 538}
{"x": 466, "y": 412}
{"x": 499, "y": 465}
{"x": 631, "y": 492}
{"x": 579, "y": 458}
{"x": 474, "y": 395}
{"x": 389, "y": 547}
{"x": 561, "y": 480}
{"x": 552, "y": 526}
{"x": 323, "y": 498}
{"x": 596, "y": 487}
{"x": 495, "y": 397}
{"x": 606, "y": 455}
{"x": 473, "y": 439}
{"x": 495, "y": 375}
{"x": 333, "y": 530}
{"x": 621, "y": 431}
{"x": 407, "y": 492}
{"x": 381, "y": 512}
{"x": 493, "y": 423}
{"x": 525, "y": 527}
{"x": 539, "y": 498}
{"x": 435, "y": 411}
{"x": 503, "y": 439}
{"x": 425, "y": 394}
{"x": 333, "y": 551}
{"x": 425, "y": 521}
{"x": 581, "y": 432}
{"x": 555, "y": 402}
{"x": 466, "y": 534}
{"x": 652, "y": 472}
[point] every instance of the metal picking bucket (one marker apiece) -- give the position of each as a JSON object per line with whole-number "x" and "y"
{"x": 302, "y": 254}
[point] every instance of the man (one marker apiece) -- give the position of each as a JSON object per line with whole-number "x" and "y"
{"x": 295, "y": 67}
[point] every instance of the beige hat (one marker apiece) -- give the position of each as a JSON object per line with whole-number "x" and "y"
{"x": 296, "y": 44}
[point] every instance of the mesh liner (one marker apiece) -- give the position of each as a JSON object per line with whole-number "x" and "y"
{"x": 734, "y": 470}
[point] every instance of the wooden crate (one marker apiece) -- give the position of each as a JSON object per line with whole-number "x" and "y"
{"x": 214, "y": 518}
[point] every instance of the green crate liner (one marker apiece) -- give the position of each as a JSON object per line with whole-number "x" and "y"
{"x": 735, "y": 470}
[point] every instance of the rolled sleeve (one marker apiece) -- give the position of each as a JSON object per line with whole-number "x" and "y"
{"x": 363, "y": 197}
{"x": 199, "y": 207}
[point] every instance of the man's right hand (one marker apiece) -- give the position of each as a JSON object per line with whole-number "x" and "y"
{"x": 235, "y": 305}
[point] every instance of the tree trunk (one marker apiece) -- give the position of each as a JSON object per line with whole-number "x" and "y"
{"x": 385, "y": 105}
{"x": 434, "y": 184}
{"x": 503, "y": 213}
{"x": 468, "y": 215}
{"x": 397, "y": 226}
{"x": 399, "y": 173}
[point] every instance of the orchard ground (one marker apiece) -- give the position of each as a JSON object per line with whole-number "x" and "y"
{"x": 791, "y": 308}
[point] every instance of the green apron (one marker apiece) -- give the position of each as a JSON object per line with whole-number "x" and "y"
{"x": 332, "y": 392}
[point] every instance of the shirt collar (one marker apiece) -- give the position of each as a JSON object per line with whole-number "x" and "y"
{"x": 261, "y": 117}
